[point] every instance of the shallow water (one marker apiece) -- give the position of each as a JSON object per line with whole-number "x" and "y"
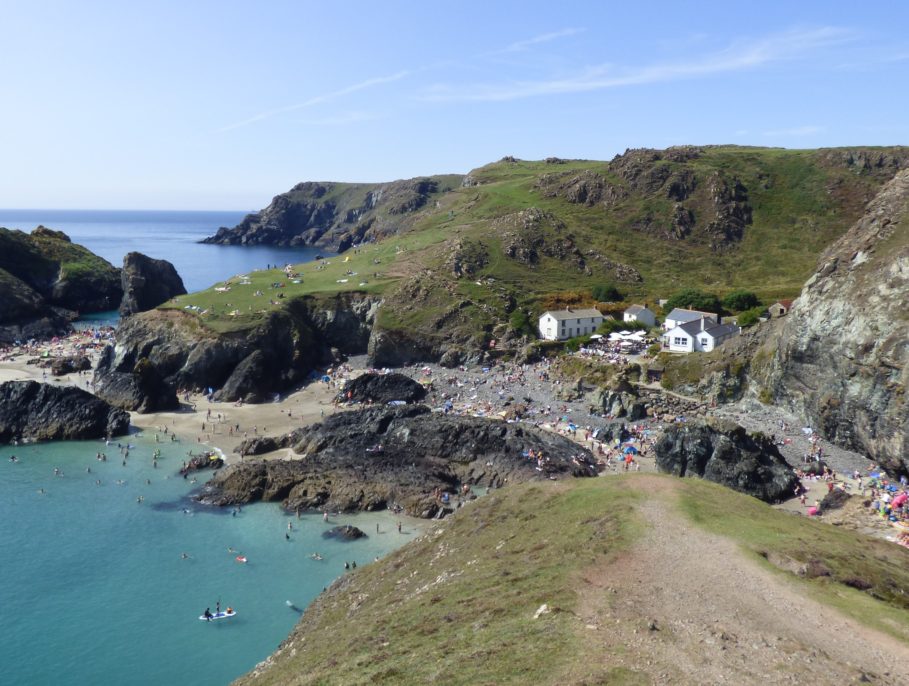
{"x": 94, "y": 589}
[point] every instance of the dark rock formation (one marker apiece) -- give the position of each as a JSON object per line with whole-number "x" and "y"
{"x": 382, "y": 388}
{"x": 141, "y": 389}
{"x": 207, "y": 460}
{"x": 369, "y": 459}
{"x": 29, "y": 409}
{"x": 67, "y": 365}
{"x": 344, "y": 533}
{"x": 725, "y": 453}
{"x": 841, "y": 360}
{"x": 834, "y": 500}
{"x": 147, "y": 283}
{"x": 252, "y": 365}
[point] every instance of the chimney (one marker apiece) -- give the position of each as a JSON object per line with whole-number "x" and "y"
{"x": 703, "y": 323}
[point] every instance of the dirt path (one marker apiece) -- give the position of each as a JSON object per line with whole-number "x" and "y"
{"x": 689, "y": 607}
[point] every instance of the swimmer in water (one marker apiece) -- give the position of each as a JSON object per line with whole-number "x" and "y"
{"x": 184, "y": 556}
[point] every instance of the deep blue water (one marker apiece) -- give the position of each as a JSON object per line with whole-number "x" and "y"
{"x": 94, "y": 589}
{"x": 168, "y": 235}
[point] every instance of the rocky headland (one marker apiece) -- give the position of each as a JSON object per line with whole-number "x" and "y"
{"x": 41, "y": 412}
{"x": 46, "y": 280}
{"x": 378, "y": 457}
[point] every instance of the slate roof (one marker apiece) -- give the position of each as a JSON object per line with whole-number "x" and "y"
{"x": 680, "y": 315}
{"x": 636, "y": 309}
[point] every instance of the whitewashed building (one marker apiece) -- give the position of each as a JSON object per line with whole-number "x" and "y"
{"x": 702, "y": 335}
{"x": 559, "y": 325}
{"x": 681, "y": 316}
{"x": 640, "y": 313}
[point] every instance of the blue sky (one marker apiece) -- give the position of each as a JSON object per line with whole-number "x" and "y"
{"x": 221, "y": 105}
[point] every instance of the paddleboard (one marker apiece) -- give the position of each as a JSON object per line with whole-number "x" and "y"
{"x": 218, "y": 615}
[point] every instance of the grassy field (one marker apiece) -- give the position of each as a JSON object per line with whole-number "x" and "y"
{"x": 457, "y": 606}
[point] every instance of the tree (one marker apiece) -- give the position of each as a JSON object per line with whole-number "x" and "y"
{"x": 606, "y": 292}
{"x": 693, "y": 299}
{"x": 739, "y": 301}
{"x": 749, "y": 317}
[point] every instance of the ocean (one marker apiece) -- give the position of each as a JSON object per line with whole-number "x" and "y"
{"x": 169, "y": 235}
{"x": 94, "y": 588}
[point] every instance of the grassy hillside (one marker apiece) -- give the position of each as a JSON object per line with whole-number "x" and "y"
{"x": 520, "y": 233}
{"x": 458, "y": 606}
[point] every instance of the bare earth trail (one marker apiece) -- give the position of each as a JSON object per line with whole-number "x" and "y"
{"x": 686, "y": 606}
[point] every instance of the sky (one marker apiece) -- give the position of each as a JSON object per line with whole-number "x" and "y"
{"x": 222, "y": 105}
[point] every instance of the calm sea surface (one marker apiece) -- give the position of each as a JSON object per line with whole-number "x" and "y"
{"x": 94, "y": 589}
{"x": 171, "y": 236}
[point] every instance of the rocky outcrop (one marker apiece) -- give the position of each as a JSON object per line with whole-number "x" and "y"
{"x": 841, "y": 359}
{"x": 175, "y": 352}
{"x": 727, "y": 454}
{"x": 46, "y": 281}
{"x": 369, "y": 459}
{"x": 382, "y": 388}
{"x": 346, "y": 532}
{"x": 42, "y": 412}
{"x": 340, "y": 215}
{"x": 147, "y": 283}
{"x": 67, "y": 365}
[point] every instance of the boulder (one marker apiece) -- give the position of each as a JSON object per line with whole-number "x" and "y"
{"x": 344, "y": 533}
{"x": 725, "y": 453}
{"x": 834, "y": 500}
{"x": 382, "y": 388}
{"x": 67, "y": 365}
{"x": 29, "y": 409}
{"x": 147, "y": 283}
{"x": 206, "y": 460}
{"x": 143, "y": 389}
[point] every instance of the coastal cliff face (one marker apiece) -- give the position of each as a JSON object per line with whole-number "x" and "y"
{"x": 841, "y": 360}
{"x": 46, "y": 280}
{"x": 147, "y": 283}
{"x": 172, "y": 348}
{"x": 338, "y": 215}
{"x": 42, "y": 412}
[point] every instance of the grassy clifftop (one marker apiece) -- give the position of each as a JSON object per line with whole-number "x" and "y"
{"x": 647, "y": 579}
{"x": 521, "y": 234}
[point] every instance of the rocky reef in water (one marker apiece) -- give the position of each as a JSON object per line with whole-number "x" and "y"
{"x": 841, "y": 359}
{"x": 725, "y": 453}
{"x": 42, "y": 412}
{"x": 373, "y": 458}
{"x": 46, "y": 281}
{"x": 147, "y": 283}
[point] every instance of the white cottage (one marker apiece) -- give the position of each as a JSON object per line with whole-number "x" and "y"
{"x": 640, "y": 313}
{"x": 559, "y": 325}
{"x": 702, "y": 335}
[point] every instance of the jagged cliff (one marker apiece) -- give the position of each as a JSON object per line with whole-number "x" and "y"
{"x": 841, "y": 358}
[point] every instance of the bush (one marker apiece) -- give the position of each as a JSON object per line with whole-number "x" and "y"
{"x": 610, "y": 325}
{"x": 574, "y": 344}
{"x": 749, "y": 317}
{"x": 693, "y": 299}
{"x": 739, "y": 301}
{"x": 606, "y": 292}
{"x": 520, "y": 323}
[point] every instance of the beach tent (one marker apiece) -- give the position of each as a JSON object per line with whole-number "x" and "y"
{"x": 630, "y": 449}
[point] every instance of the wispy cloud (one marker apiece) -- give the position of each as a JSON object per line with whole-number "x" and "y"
{"x": 340, "y": 120}
{"x": 522, "y": 45}
{"x": 738, "y": 56}
{"x": 794, "y": 131}
{"x": 317, "y": 99}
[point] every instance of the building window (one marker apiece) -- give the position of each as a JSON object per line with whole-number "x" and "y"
{"x": 679, "y": 341}
{"x": 704, "y": 342}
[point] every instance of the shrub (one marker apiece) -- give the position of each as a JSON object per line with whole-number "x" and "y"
{"x": 520, "y": 323}
{"x": 749, "y": 317}
{"x": 606, "y": 292}
{"x": 574, "y": 344}
{"x": 740, "y": 301}
{"x": 693, "y": 299}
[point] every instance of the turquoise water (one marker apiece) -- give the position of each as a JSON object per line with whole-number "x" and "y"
{"x": 94, "y": 589}
{"x": 164, "y": 235}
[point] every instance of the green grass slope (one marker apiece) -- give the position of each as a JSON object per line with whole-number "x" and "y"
{"x": 518, "y": 233}
{"x": 458, "y": 605}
